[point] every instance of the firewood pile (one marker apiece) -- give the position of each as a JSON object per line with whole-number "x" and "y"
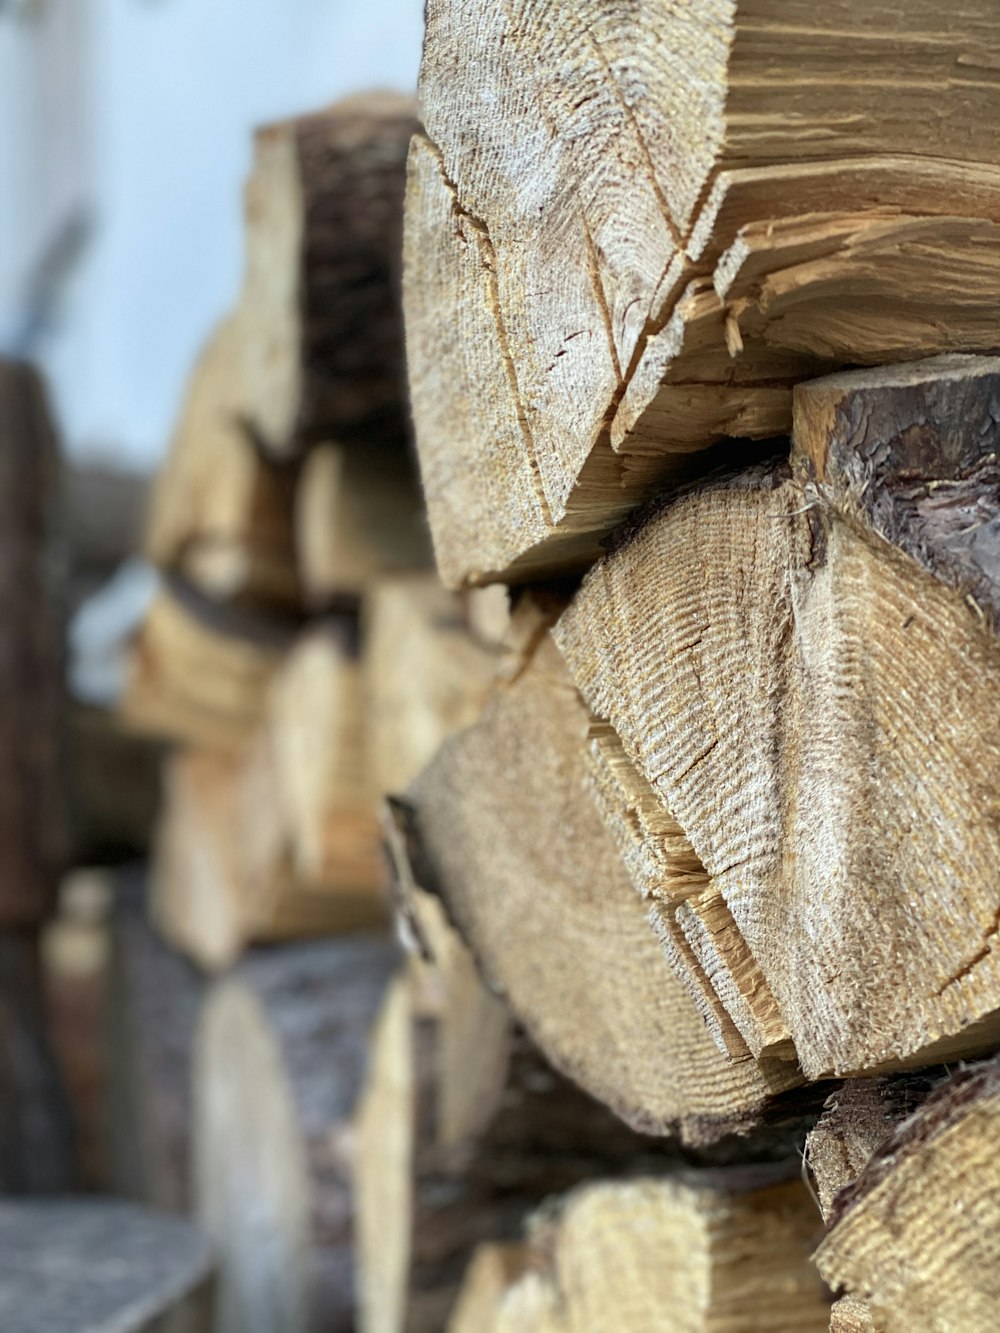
{"x": 573, "y": 906}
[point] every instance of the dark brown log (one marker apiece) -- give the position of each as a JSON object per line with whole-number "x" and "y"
{"x": 322, "y": 291}
{"x": 36, "y": 1137}
{"x": 31, "y": 829}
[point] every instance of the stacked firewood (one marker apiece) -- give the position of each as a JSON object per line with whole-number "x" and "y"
{"x": 726, "y": 829}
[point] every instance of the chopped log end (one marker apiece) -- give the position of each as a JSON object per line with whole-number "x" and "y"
{"x": 936, "y": 1164}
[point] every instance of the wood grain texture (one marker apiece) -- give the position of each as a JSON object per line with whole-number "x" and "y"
{"x": 645, "y": 225}
{"x": 914, "y": 1237}
{"x": 504, "y": 830}
{"x": 813, "y": 710}
{"x": 690, "y": 1252}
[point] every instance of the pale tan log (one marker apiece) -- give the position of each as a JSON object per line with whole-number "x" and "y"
{"x": 502, "y": 827}
{"x": 425, "y": 674}
{"x": 849, "y": 1315}
{"x": 915, "y": 1237}
{"x": 279, "y": 1062}
{"x": 316, "y": 747}
{"x": 692, "y": 1253}
{"x": 200, "y": 671}
{"x": 626, "y": 243}
{"x": 463, "y": 1129}
{"x": 221, "y": 514}
{"x": 358, "y": 516}
{"x": 784, "y": 679}
{"x": 321, "y": 290}
{"x": 493, "y": 1269}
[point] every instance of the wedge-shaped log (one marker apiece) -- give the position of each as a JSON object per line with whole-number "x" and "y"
{"x": 321, "y": 291}
{"x": 280, "y": 1056}
{"x": 502, "y": 828}
{"x": 804, "y": 676}
{"x": 914, "y": 1237}
{"x": 693, "y": 1252}
{"x": 199, "y": 670}
{"x": 630, "y": 232}
{"x": 222, "y": 514}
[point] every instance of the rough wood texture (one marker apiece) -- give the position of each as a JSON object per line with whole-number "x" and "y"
{"x": 321, "y": 291}
{"x": 915, "y": 1236}
{"x": 199, "y": 670}
{"x": 425, "y": 675}
{"x": 100, "y": 1266}
{"x": 695, "y": 1252}
{"x": 36, "y": 1134}
{"x": 31, "y": 815}
{"x": 493, "y": 1269}
{"x": 358, "y": 515}
{"x": 630, "y": 241}
{"x": 279, "y": 1062}
{"x": 857, "y": 1119}
{"x": 154, "y": 998}
{"x": 463, "y": 1129}
{"x": 222, "y": 514}
{"x": 818, "y": 716}
{"x": 502, "y": 828}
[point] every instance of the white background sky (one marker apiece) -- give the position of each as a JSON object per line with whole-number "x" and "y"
{"x": 138, "y": 113}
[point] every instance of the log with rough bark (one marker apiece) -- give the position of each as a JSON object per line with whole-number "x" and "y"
{"x": 797, "y": 686}
{"x": 200, "y": 670}
{"x": 37, "y": 1148}
{"x": 708, "y": 1251}
{"x": 358, "y": 516}
{"x": 501, "y": 827}
{"x": 913, "y": 1239}
{"x": 153, "y": 1002}
{"x": 221, "y": 513}
{"x": 31, "y": 813}
{"x": 278, "y": 1065}
{"x": 426, "y": 675}
{"x": 324, "y": 359}
{"x": 101, "y": 1266}
{"x": 628, "y": 242}
{"x": 463, "y": 1129}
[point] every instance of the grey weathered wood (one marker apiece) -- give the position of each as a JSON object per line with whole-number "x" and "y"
{"x": 95, "y": 1266}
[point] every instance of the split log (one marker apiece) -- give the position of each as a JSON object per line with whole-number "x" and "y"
{"x": 321, "y": 291}
{"x": 200, "y": 670}
{"x": 31, "y": 815}
{"x": 626, "y": 243}
{"x": 914, "y": 1237}
{"x": 463, "y": 1129}
{"x": 502, "y": 828}
{"x": 280, "y": 1057}
{"x": 103, "y": 1266}
{"x": 425, "y": 675}
{"x": 358, "y": 515}
{"x": 803, "y": 687}
{"x": 222, "y": 514}
{"x": 694, "y": 1252}
{"x": 37, "y": 1150}
{"x": 154, "y": 998}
